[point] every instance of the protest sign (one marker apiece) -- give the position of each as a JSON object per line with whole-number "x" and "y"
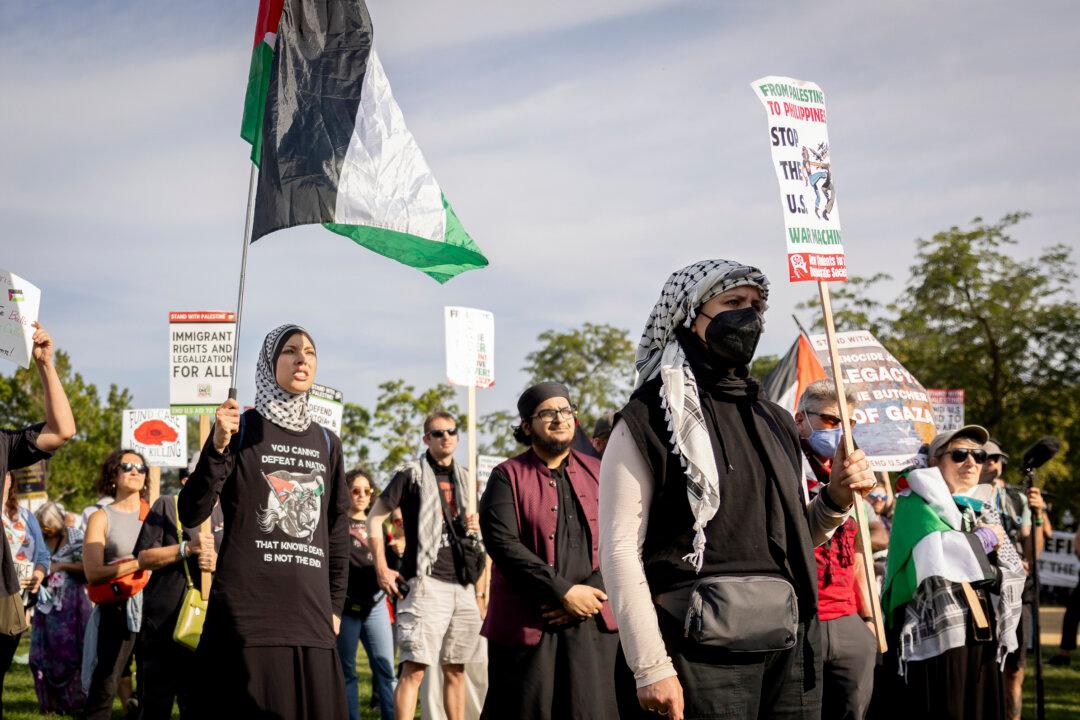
{"x": 892, "y": 410}
{"x": 948, "y": 408}
{"x": 326, "y": 407}
{"x": 29, "y": 484}
{"x": 20, "y": 301}
{"x": 470, "y": 347}
{"x": 158, "y": 435}
{"x": 200, "y": 359}
{"x": 802, "y": 160}
{"x": 484, "y": 465}
{"x": 1058, "y": 564}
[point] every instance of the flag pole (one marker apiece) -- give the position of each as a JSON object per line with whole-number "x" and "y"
{"x": 849, "y": 446}
{"x": 249, "y": 216}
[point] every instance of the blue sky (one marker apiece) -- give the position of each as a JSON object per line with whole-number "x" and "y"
{"x": 589, "y": 148}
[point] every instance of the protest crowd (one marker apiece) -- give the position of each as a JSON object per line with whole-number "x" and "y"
{"x": 695, "y": 557}
{"x": 708, "y": 549}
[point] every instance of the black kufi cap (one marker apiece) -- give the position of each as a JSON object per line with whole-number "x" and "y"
{"x": 531, "y": 398}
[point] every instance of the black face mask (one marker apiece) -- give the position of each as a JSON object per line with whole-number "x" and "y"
{"x": 732, "y": 337}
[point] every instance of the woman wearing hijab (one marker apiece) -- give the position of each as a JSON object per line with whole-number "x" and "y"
{"x": 701, "y": 506}
{"x": 268, "y": 643}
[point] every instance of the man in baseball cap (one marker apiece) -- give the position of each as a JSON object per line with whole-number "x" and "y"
{"x": 942, "y": 441}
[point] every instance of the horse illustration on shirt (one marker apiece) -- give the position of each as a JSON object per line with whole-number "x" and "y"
{"x": 294, "y": 505}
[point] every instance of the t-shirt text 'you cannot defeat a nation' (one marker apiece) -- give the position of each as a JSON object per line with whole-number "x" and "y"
{"x": 295, "y": 476}
{"x": 799, "y": 138}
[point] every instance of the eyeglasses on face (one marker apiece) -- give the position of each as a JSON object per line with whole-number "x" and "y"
{"x": 827, "y": 419}
{"x": 361, "y": 491}
{"x": 564, "y": 413}
{"x": 960, "y": 455}
{"x": 137, "y": 467}
{"x": 438, "y": 434}
{"x": 877, "y": 496}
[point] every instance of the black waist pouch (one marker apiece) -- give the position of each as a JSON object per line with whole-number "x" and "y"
{"x": 738, "y": 613}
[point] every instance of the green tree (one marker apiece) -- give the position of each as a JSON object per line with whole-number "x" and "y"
{"x": 74, "y": 469}
{"x": 763, "y": 365}
{"x": 496, "y": 435}
{"x": 356, "y": 435}
{"x": 595, "y": 361}
{"x": 399, "y": 416}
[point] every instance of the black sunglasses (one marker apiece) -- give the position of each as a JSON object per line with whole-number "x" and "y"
{"x": 959, "y": 455}
{"x": 438, "y": 434}
{"x": 128, "y": 467}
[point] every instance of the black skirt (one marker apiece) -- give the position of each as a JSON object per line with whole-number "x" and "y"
{"x": 269, "y": 683}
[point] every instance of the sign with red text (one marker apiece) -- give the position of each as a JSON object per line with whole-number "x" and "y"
{"x": 948, "y": 408}
{"x": 20, "y": 301}
{"x": 484, "y": 465}
{"x": 158, "y": 435}
{"x": 470, "y": 347}
{"x": 200, "y": 360}
{"x": 326, "y": 406}
{"x": 802, "y": 160}
{"x": 892, "y": 411}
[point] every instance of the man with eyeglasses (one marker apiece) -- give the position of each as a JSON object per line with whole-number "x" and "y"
{"x": 952, "y": 592}
{"x": 848, "y": 650}
{"x": 438, "y": 621}
{"x": 552, "y": 638}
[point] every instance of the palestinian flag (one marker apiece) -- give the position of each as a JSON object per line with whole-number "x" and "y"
{"x": 798, "y": 368}
{"x": 331, "y": 143}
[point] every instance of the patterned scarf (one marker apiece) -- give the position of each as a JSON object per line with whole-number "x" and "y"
{"x": 282, "y": 408}
{"x": 659, "y": 353}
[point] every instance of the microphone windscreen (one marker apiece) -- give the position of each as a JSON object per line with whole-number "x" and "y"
{"x": 1040, "y": 453}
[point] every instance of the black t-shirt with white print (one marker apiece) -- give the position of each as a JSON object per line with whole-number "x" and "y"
{"x": 284, "y": 561}
{"x": 404, "y": 493}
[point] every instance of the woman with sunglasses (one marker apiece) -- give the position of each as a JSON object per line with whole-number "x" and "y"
{"x": 952, "y": 589}
{"x": 107, "y": 555}
{"x": 268, "y": 646}
{"x": 366, "y": 618}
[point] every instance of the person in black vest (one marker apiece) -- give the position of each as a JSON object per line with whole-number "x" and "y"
{"x": 551, "y": 635}
{"x": 268, "y": 646}
{"x": 702, "y": 503}
{"x": 22, "y": 448}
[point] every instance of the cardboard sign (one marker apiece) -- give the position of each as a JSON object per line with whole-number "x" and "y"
{"x": 802, "y": 159}
{"x": 200, "y": 360}
{"x": 484, "y": 465}
{"x": 948, "y": 408}
{"x": 892, "y": 410}
{"x": 326, "y": 407}
{"x": 1058, "y": 564}
{"x": 158, "y": 435}
{"x": 470, "y": 347}
{"x": 20, "y": 301}
{"x": 30, "y": 481}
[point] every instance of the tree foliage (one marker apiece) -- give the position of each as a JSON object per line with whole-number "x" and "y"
{"x": 595, "y": 361}
{"x": 74, "y": 468}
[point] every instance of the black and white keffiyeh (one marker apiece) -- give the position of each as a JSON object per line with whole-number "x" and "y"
{"x": 282, "y": 408}
{"x": 659, "y": 353}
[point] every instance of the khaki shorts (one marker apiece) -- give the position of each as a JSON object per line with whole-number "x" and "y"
{"x": 438, "y": 623}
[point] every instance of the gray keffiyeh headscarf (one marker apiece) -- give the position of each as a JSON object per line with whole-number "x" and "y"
{"x": 659, "y": 353}
{"x": 271, "y": 400}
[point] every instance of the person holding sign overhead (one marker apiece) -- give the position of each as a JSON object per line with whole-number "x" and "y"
{"x": 18, "y": 449}
{"x": 701, "y": 506}
{"x": 268, "y": 646}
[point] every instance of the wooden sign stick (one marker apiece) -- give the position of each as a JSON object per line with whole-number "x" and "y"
{"x": 471, "y": 501}
{"x": 849, "y": 446}
{"x": 153, "y": 483}
{"x": 206, "y": 532}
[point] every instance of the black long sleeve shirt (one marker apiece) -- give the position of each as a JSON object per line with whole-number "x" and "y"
{"x": 284, "y": 562}
{"x": 524, "y": 568}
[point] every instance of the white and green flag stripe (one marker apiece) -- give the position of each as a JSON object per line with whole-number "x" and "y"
{"x": 332, "y": 145}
